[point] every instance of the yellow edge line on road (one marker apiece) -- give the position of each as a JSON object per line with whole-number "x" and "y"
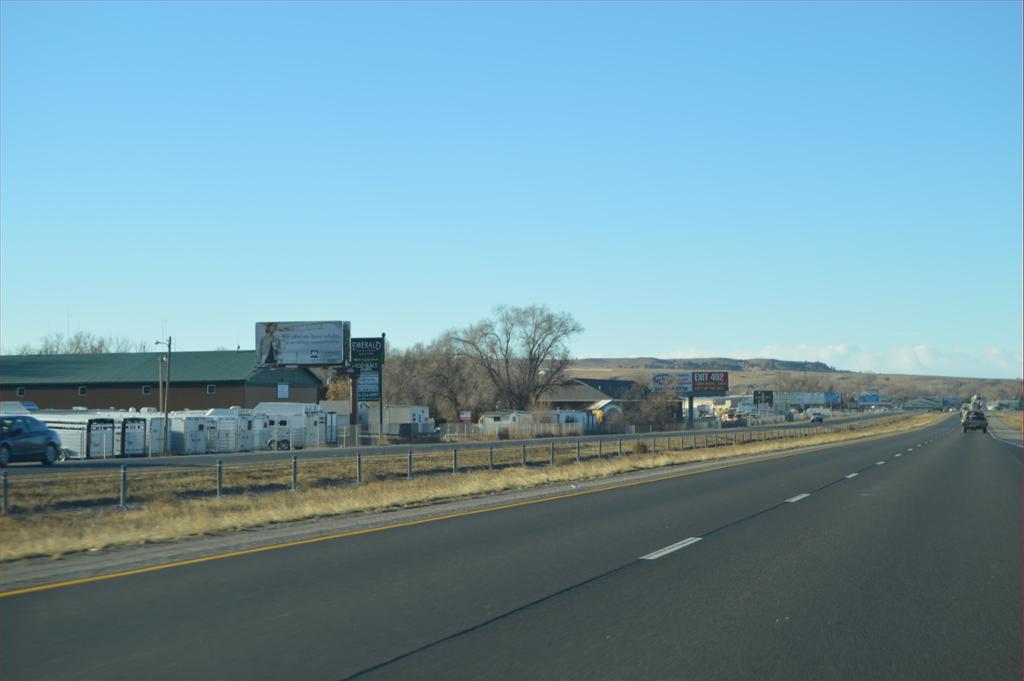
{"x": 394, "y": 526}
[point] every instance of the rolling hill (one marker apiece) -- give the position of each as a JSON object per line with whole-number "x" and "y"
{"x": 776, "y": 374}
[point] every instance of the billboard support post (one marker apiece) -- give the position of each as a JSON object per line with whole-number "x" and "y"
{"x": 353, "y": 411}
{"x": 380, "y": 403}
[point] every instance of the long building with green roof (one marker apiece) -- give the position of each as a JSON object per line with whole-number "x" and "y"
{"x": 199, "y": 380}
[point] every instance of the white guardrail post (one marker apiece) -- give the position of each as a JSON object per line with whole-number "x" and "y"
{"x": 124, "y": 487}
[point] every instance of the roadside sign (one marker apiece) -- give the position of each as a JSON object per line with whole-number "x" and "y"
{"x": 301, "y": 343}
{"x": 368, "y": 386}
{"x": 677, "y": 382}
{"x": 765, "y": 397}
{"x": 368, "y": 349}
{"x": 710, "y": 382}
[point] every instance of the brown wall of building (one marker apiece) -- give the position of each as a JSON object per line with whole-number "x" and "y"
{"x": 123, "y": 397}
{"x": 256, "y": 394}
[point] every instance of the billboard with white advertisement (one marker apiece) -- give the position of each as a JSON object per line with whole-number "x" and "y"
{"x": 677, "y": 382}
{"x": 301, "y": 343}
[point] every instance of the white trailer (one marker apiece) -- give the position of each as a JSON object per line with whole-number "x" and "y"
{"x": 331, "y": 428}
{"x": 219, "y": 429}
{"x": 82, "y": 436}
{"x": 192, "y": 434}
{"x": 283, "y": 431}
{"x": 154, "y": 432}
{"x": 293, "y": 425}
{"x": 130, "y": 436}
{"x": 129, "y": 431}
{"x": 247, "y": 432}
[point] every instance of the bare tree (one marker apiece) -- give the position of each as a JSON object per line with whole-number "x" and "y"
{"x": 456, "y": 377}
{"x": 523, "y": 351}
{"x": 82, "y": 343}
{"x": 657, "y": 411}
{"x": 438, "y": 376}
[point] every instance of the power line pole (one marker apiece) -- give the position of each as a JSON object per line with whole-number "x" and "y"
{"x": 166, "y": 396}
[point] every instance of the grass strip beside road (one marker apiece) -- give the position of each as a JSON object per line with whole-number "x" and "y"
{"x": 1013, "y": 419}
{"x": 179, "y": 504}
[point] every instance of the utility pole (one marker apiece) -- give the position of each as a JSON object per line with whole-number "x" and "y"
{"x": 166, "y": 396}
{"x": 160, "y": 388}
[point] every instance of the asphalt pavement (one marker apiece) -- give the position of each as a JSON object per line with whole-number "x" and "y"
{"x": 895, "y": 558}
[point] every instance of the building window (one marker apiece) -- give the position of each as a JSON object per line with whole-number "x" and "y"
{"x": 82, "y": 391}
{"x": 21, "y": 392}
{"x": 211, "y": 389}
{"x": 147, "y": 390}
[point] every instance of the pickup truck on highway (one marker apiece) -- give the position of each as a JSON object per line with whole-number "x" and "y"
{"x": 974, "y": 420}
{"x": 732, "y": 419}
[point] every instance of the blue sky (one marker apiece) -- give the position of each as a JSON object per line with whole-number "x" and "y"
{"x": 800, "y": 180}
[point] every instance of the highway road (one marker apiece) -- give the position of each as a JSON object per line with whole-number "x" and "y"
{"x": 208, "y": 460}
{"x": 894, "y": 558}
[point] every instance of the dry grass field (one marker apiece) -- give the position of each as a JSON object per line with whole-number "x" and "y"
{"x": 81, "y": 512}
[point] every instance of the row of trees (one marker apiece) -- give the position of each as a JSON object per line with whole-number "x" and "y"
{"x": 81, "y": 343}
{"x": 505, "y": 361}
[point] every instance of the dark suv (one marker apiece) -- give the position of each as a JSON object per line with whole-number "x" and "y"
{"x": 23, "y": 438}
{"x": 975, "y": 420}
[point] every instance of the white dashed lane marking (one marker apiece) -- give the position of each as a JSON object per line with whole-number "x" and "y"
{"x": 798, "y": 497}
{"x": 852, "y": 475}
{"x": 670, "y": 548}
{"x": 879, "y": 463}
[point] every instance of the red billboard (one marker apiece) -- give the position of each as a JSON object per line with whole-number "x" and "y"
{"x": 709, "y": 382}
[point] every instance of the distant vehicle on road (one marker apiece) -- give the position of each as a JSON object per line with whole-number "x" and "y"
{"x": 733, "y": 419}
{"x": 974, "y": 420}
{"x": 817, "y": 418}
{"x": 24, "y": 438}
